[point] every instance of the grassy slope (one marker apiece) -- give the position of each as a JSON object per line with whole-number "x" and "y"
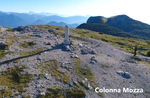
{"x": 122, "y": 42}
{"x": 106, "y": 29}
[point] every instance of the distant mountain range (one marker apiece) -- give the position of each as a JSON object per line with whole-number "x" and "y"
{"x": 13, "y": 19}
{"x": 62, "y": 24}
{"x": 120, "y": 25}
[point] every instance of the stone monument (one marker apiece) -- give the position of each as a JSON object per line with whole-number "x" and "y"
{"x": 66, "y": 41}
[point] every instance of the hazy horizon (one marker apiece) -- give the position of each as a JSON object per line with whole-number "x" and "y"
{"x": 135, "y": 9}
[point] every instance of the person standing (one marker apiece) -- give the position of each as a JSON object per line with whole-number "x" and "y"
{"x": 135, "y": 51}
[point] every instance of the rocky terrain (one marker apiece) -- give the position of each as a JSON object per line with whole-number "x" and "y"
{"x": 35, "y": 64}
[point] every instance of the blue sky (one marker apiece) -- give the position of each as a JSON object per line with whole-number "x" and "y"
{"x": 137, "y": 9}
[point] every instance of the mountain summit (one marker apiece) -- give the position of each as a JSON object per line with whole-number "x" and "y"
{"x": 124, "y": 23}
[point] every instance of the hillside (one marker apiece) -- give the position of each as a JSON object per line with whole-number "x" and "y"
{"x": 10, "y": 20}
{"x": 124, "y": 23}
{"x": 35, "y": 64}
{"x": 103, "y": 28}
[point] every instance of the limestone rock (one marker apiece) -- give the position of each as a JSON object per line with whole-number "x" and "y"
{"x": 87, "y": 50}
{"x": 89, "y": 86}
{"x": 74, "y": 55}
{"x": 93, "y": 60}
{"x": 124, "y": 74}
{"x": 46, "y": 76}
{"x": 67, "y": 48}
{"x": 50, "y": 30}
{"x": 47, "y": 43}
{"x": 38, "y": 58}
{"x": 37, "y": 86}
{"x": 42, "y": 93}
{"x": 66, "y": 66}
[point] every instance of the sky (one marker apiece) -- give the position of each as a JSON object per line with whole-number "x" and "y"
{"x": 136, "y": 9}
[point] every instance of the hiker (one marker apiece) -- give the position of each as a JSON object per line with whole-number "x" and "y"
{"x": 135, "y": 49}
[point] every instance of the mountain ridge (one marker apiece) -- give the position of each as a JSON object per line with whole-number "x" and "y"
{"x": 62, "y": 24}
{"x": 36, "y": 19}
{"x": 10, "y": 20}
{"x": 124, "y": 23}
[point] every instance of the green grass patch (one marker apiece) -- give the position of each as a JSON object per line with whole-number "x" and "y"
{"x": 75, "y": 93}
{"x": 101, "y": 94}
{"x": 31, "y": 52}
{"x": 11, "y": 40}
{"x": 16, "y": 61}
{"x": 25, "y": 37}
{"x": 1, "y": 53}
{"x": 105, "y": 66}
{"x": 2, "y": 49}
{"x": 56, "y": 33}
{"x": 55, "y": 92}
{"x": 50, "y": 27}
{"x": 140, "y": 61}
{"x": 27, "y": 45}
{"x": 10, "y": 29}
{"x": 26, "y": 96}
{"x": 40, "y": 65}
{"x": 81, "y": 71}
{"x": 7, "y": 92}
{"x": 63, "y": 93}
{"x": 51, "y": 67}
{"x": 77, "y": 38}
{"x": 13, "y": 78}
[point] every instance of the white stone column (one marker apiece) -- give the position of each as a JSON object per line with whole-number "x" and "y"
{"x": 66, "y": 41}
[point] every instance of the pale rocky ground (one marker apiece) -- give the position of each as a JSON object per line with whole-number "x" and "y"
{"x": 104, "y": 54}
